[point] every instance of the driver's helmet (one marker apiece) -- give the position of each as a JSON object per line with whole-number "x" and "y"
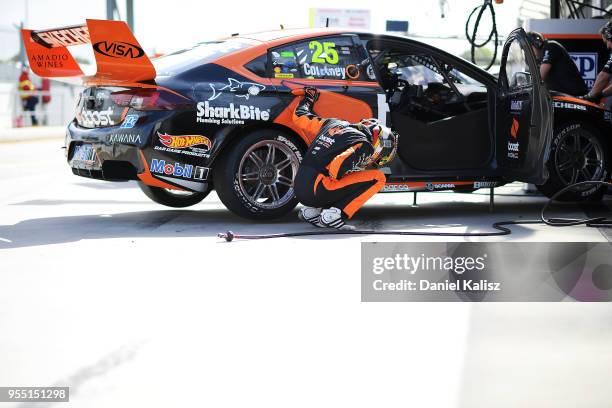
{"x": 384, "y": 141}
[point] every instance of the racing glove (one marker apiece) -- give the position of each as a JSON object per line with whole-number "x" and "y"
{"x": 592, "y": 98}
{"x": 310, "y": 94}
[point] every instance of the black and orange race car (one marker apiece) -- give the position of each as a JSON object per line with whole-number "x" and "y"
{"x": 219, "y": 115}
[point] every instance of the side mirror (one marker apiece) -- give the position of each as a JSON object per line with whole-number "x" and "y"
{"x": 520, "y": 79}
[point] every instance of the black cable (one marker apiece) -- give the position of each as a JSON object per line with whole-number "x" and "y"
{"x": 493, "y": 35}
{"x": 500, "y": 226}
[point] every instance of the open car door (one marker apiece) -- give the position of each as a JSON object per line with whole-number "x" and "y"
{"x": 524, "y": 114}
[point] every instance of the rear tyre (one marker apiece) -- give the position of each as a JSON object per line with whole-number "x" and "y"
{"x": 172, "y": 198}
{"x": 254, "y": 178}
{"x": 578, "y": 153}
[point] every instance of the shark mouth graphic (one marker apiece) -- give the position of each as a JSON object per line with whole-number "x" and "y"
{"x": 241, "y": 89}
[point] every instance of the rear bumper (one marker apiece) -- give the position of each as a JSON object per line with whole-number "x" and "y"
{"x": 133, "y": 154}
{"x": 112, "y": 161}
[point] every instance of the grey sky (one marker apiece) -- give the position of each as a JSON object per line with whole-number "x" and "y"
{"x": 164, "y": 26}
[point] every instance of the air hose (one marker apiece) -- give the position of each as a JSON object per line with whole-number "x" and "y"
{"x": 500, "y": 227}
{"x": 493, "y": 35}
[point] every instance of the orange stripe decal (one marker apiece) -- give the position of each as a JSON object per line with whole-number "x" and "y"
{"x": 147, "y": 178}
{"x": 575, "y": 100}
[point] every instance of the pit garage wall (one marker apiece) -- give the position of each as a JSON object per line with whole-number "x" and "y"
{"x": 581, "y": 38}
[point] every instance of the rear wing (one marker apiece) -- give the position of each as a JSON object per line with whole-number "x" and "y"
{"x": 119, "y": 56}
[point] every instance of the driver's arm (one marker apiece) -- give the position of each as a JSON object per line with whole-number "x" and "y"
{"x": 601, "y": 82}
{"x": 550, "y": 57}
{"x": 304, "y": 116}
{"x": 544, "y": 71}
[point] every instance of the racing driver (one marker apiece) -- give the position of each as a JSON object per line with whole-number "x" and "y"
{"x": 332, "y": 181}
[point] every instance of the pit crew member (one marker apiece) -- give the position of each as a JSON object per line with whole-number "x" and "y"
{"x": 602, "y": 87}
{"x": 557, "y": 68}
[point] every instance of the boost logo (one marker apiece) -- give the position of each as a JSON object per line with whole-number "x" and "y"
{"x": 118, "y": 49}
{"x": 181, "y": 142}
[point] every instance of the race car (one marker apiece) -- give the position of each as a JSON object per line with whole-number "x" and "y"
{"x": 219, "y": 114}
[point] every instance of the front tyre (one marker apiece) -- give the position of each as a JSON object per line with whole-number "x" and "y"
{"x": 254, "y": 178}
{"x": 172, "y": 198}
{"x": 578, "y": 153}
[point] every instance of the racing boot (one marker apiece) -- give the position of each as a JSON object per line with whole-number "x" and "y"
{"x": 332, "y": 218}
{"x": 311, "y": 215}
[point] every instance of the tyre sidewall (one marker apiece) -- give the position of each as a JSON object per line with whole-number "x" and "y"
{"x": 554, "y": 182}
{"x": 226, "y": 175}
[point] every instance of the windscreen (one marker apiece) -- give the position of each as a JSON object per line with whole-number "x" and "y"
{"x": 201, "y": 53}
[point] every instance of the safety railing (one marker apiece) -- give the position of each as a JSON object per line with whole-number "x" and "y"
{"x": 52, "y": 108}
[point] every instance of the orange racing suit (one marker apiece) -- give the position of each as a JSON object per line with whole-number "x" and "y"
{"x": 332, "y": 172}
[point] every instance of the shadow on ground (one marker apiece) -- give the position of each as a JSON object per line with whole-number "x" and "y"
{"x": 207, "y": 223}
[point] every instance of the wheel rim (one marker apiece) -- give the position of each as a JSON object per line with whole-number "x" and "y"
{"x": 579, "y": 157}
{"x": 266, "y": 173}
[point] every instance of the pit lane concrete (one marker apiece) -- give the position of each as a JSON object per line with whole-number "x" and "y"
{"x": 134, "y": 304}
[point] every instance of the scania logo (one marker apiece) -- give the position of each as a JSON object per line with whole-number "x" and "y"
{"x": 118, "y": 49}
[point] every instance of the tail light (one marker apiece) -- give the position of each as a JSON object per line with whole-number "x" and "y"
{"x": 150, "y": 99}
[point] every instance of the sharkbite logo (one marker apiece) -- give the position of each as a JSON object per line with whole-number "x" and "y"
{"x": 229, "y": 115}
{"x": 182, "y": 142}
{"x": 245, "y": 89}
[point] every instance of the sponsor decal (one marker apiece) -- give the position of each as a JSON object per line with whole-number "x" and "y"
{"x": 184, "y": 144}
{"x": 175, "y": 170}
{"x": 48, "y": 61}
{"x": 124, "y": 138}
{"x": 370, "y": 72}
{"x": 181, "y": 142}
{"x": 91, "y": 118}
{"x": 324, "y": 141}
{"x": 283, "y": 75}
{"x": 395, "y": 187}
{"x": 439, "y": 186}
{"x": 586, "y": 62}
{"x": 64, "y": 37}
{"x": 129, "y": 122}
{"x": 568, "y": 105}
{"x": 514, "y": 128}
{"x": 513, "y": 150}
{"x": 229, "y": 115}
{"x": 200, "y": 173}
{"x": 516, "y": 106}
{"x": 484, "y": 184}
{"x": 324, "y": 71}
{"x": 233, "y": 85}
{"x": 118, "y": 49}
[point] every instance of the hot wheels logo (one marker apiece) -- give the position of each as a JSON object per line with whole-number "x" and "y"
{"x": 181, "y": 142}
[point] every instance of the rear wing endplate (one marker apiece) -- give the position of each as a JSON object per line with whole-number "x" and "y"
{"x": 119, "y": 56}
